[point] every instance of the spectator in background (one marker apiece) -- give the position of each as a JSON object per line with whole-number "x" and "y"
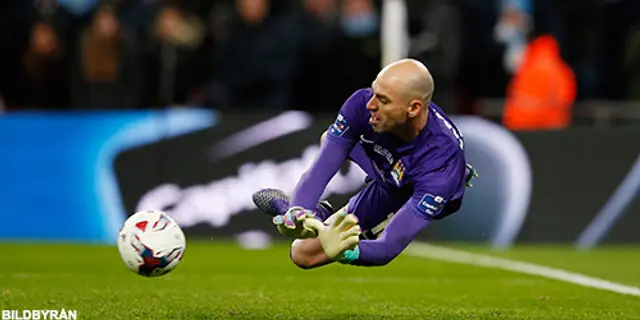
{"x": 33, "y": 49}
{"x": 218, "y": 21}
{"x": 359, "y": 52}
{"x": 319, "y": 32}
{"x": 439, "y": 46}
{"x": 543, "y": 90}
{"x": 78, "y": 7}
{"x": 321, "y": 10}
{"x": 178, "y": 33}
{"x": 514, "y": 24}
{"x": 106, "y": 74}
{"x": 359, "y": 18}
{"x": 576, "y": 25}
{"x": 44, "y": 66}
{"x": 254, "y": 62}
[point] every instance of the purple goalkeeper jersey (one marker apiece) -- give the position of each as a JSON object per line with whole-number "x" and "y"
{"x": 430, "y": 170}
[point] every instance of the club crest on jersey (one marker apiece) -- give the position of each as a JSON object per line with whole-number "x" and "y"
{"x": 431, "y": 205}
{"x": 398, "y": 172}
{"x": 339, "y": 127}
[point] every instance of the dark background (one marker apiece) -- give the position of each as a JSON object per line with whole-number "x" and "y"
{"x": 575, "y": 172}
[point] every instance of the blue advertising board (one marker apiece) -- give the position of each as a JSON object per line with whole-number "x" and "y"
{"x": 76, "y": 176}
{"x": 56, "y": 169}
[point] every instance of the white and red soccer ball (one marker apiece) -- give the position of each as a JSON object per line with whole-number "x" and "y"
{"x": 151, "y": 243}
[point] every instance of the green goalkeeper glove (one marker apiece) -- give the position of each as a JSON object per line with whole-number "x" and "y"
{"x": 470, "y": 174}
{"x": 341, "y": 233}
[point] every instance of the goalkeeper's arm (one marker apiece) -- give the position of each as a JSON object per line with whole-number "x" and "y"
{"x": 340, "y": 139}
{"x": 402, "y": 229}
{"x": 331, "y": 156}
{"x": 429, "y": 201}
{"x": 333, "y": 153}
{"x": 339, "y": 238}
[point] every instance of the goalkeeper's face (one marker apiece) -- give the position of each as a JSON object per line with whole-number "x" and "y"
{"x": 388, "y": 107}
{"x": 400, "y": 94}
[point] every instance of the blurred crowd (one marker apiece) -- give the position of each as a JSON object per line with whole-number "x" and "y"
{"x": 308, "y": 54}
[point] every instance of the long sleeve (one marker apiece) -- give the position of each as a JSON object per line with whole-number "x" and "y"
{"x": 435, "y": 194}
{"x": 402, "y": 229}
{"x": 342, "y": 136}
{"x": 311, "y": 185}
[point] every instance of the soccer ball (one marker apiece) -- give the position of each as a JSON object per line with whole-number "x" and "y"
{"x": 151, "y": 243}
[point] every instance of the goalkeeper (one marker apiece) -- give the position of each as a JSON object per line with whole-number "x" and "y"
{"x": 414, "y": 159}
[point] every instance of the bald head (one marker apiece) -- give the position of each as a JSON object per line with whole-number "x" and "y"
{"x": 402, "y": 92}
{"x": 409, "y": 78}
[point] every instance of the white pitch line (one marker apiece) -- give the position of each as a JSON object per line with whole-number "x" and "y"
{"x": 450, "y": 255}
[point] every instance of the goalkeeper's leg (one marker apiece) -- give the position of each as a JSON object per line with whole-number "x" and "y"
{"x": 339, "y": 234}
{"x": 374, "y": 206}
{"x": 308, "y": 253}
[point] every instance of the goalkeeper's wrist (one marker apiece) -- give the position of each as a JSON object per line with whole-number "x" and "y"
{"x": 349, "y": 256}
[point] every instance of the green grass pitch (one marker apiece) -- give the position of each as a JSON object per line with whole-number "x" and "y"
{"x": 221, "y": 281}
